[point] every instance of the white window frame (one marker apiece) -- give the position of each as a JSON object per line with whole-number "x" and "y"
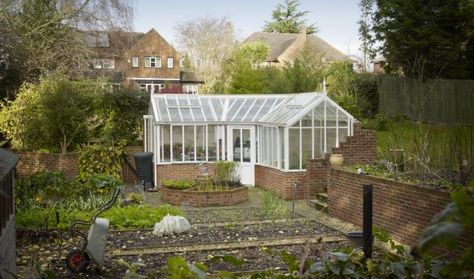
{"x": 170, "y": 62}
{"x": 150, "y": 60}
{"x": 135, "y": 62}
{"x": 108, "y": 64}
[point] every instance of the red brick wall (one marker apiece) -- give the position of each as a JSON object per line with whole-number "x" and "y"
{"x": 317, "y": 171}
{"x": 403, "y": 210}
{"x": 280, "y": 182}
{"x": 199, "y": 199}
{"x": 360, "y": 148}
{"x": 31, "y": 162}
{"x": 186, "y": 171}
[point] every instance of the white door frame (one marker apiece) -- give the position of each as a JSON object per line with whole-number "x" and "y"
{"x": 246, "y": 169}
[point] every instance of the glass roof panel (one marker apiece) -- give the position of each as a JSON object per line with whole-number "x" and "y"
{"x": 163, "y": 112}
{"x": 281, "y": 110}
{"x": 186, "y": 114}
{"x": 198, "y": 116}
{"x": 253, "y": 110}
{"x": 171, "y": 99}
{"x": 174, "y": 114}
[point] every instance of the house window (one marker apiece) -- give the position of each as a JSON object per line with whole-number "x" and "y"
{"x": 152, "y": 62}
{"x": 170, "y": 62}
{"x": 103, "y": 63}
{"x": 135, "y": 62}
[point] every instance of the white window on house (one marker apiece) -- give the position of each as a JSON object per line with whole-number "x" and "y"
{"x": 135, "y": 62}
{"x": 170, "y": 62}
{"x": 103, "y": 63}
{"x": 108, "y": 63}
{"x": 152, "y": 62}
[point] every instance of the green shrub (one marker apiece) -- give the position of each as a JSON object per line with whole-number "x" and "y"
{"x": 226, "y": 172}
{"x": 177, "y": 184}
{"x": 97, "y": 159}
{"x": 379, "y": 123}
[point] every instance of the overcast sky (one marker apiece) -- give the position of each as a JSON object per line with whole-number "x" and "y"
{"x": 336, "y": 19}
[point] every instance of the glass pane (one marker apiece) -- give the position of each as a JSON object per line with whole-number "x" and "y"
{"x": 246, "y": 145}
{"x": 200, "y": 143}
{"x": 243, "y": 110}
{"x": 275, "y": 147}
{"x": 163, "y": 112}
{"x": 207, "y": 110}
{"x": 318, "y": 143}
{"x": 171, "y": 100}
{"x": 282, "y": 147}
{"x": 331, "y": 139}
{"x": 306, "y": 145}
{"x": 189, "y": 143}
{"x": 233, "y": 109}
{"x": 212, "y": 142}
{"x": 294, "y": 149}
{"x": 177, "y": 143}
{"x": 306, "y": 121}
{"x": 343, "y": 119}
{"x": 216, "y": 104}
{"x": 165, "y": 144}
{"x": 342, "y": 134}
{"x": 183, "y": 100}
{"x": 194, "y": 100}
{"x": 186, "y": 114}
{"x": 330, "y": 115}
{"x": 198, "y": 116}
{"x": 174, "y": 114}
{"x": 236, "y": 145}
{"x": 254, "y": 110}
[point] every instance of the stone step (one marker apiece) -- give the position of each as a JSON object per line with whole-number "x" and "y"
{"x": 319, "y": 205}
{"x": 322, "y": 197}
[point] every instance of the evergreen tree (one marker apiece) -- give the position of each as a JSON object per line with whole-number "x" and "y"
{"x": 287, "y": 19}
{"x": 425, "y": 38}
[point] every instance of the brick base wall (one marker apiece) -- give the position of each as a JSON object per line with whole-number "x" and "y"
{"x": 188, "y": 171}
{"x": 360, "y": 148}
{"x": 7, "y": 249}
{"x": 403, "y": 210}
{"x": 280, "y": 182}
{"x": 199, "y": 199}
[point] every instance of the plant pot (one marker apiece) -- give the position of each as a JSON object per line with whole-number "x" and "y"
{"x": 336, "y": 159}
{"x": 356, "y": 239}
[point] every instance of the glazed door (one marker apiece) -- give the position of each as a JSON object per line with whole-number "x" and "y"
{"x": 241, "y": 149}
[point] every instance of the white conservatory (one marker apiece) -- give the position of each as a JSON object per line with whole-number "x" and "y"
{"x": 279, "y": 131}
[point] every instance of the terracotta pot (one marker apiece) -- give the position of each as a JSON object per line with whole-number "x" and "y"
{"x": 336, "y": 159}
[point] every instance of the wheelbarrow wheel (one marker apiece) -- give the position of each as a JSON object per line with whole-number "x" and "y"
{"x": 77, "y": 260}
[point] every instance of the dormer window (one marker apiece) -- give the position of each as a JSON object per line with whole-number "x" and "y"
{"x": 152, "y": 62}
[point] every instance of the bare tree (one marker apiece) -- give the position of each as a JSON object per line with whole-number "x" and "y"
{"x": 45, "y": 36}
{"x": 206, "y": 41}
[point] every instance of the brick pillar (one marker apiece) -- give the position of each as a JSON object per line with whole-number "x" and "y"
{"x": 317, "y": 173}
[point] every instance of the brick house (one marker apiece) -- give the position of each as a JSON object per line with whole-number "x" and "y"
{"x": 143, "y": 58}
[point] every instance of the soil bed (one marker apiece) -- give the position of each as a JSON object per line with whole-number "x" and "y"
{"x": 255, "y": 259}
{"x": 232, "y": 214}
{"x": 212, "y": 234}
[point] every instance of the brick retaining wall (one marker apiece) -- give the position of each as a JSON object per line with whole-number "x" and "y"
{"x": 280, "y": 182}
{"x": 199, "y": 199}
{"x": 359, "y": 148}
{"x": 403, "y": 210}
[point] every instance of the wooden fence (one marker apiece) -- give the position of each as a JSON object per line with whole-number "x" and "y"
{"x": 440, "y": 101}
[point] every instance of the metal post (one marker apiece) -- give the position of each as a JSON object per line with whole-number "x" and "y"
{"x": 295, "y": 185}
{"x": 367, "y": 220}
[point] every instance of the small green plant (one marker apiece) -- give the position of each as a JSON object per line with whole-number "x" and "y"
{"x": 136, "y": 198}
{"x": 176, "y": 184}
{"x": 226, "y": 172}
{"x": 272, "y": 205}
{"x": 132, "y": 269}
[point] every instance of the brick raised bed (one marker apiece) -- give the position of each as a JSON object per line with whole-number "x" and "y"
{"x": 200, "y": 198}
